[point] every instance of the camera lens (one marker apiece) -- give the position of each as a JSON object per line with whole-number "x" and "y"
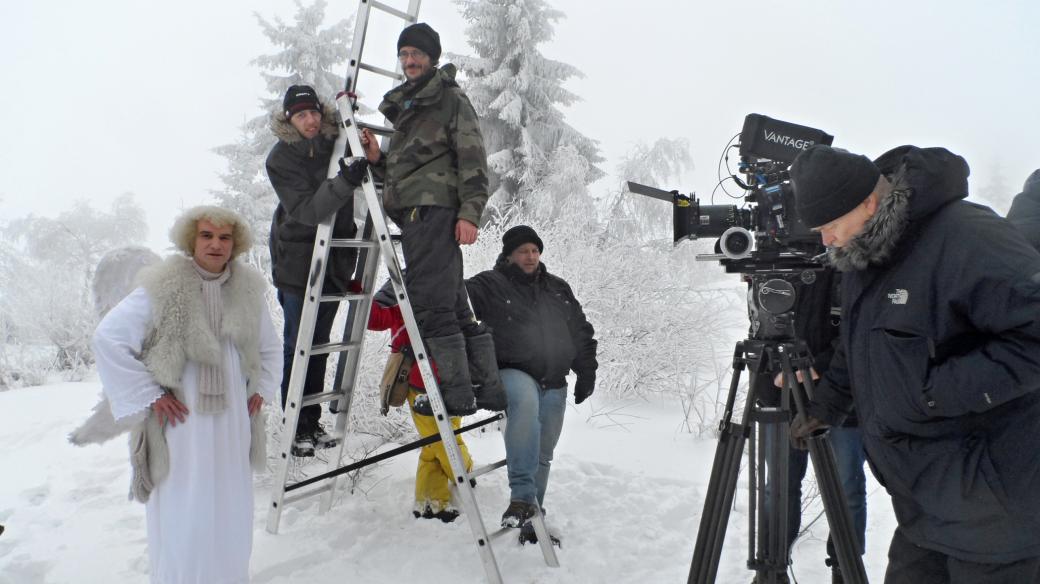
{"x": 735, "y": 243}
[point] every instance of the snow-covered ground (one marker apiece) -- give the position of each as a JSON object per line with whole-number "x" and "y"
{"x": 625, "y": 495}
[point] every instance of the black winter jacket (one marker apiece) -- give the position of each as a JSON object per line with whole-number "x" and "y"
{"x": 298, "y": 170}
{"x": 1025, "y": 209}
{"x": 940, "y": 347}
{"x": 538, "y": 325}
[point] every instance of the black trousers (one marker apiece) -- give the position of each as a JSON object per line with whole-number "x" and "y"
{"x": 434, "y": 271}
{"x": 292, "y": 307}
{"x": 909, "y": 563}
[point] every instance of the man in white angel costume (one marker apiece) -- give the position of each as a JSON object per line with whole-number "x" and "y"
{"x": 186, "y": 361}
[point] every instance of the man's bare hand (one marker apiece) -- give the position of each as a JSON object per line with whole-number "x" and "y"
{"x": 465, "y": 232}
{"x": 779, "y": 379}
{"x": 255, "y": 403}
{"x": 370, "y": 145}
{"x": 169, "y": 409}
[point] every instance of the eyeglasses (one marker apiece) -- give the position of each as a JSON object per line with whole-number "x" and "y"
{"x": 414, "y": 54}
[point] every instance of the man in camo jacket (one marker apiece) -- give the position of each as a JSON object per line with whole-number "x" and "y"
{"x": 435, "y": 188}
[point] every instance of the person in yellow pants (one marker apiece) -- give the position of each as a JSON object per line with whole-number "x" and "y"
{"x": 434, "y": 477}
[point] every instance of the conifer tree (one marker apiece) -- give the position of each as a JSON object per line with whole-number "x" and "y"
{"x": 306, "y": 53}
{"x": 516, "y": 92}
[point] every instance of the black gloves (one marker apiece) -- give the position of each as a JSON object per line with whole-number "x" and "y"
{"x": 804, "y": 427}
{"x": 584, "y": 387}
{"x": 354, "y": 171}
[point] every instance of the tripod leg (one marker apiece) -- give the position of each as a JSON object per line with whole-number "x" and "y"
{"x": 839, "y": 519}
{"x": 721, "y": 488}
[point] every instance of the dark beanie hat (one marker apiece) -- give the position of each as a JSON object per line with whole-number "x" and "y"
{"x": 517, "y": 236}
{"x": 422, "y": 37}
{"x": 300, "y": 98}
{"x": 830, "y": 182}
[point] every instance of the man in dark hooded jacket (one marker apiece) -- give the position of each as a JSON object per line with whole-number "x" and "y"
{"x": 541, "y": 334}
{"x": 1025, "y": 209}
{"x": 298, "y": 166}
{"x": 435, "y": 188}
{"x": 940, "y": 351}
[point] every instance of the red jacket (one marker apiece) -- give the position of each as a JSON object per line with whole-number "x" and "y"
{"x": 382, "y": 318}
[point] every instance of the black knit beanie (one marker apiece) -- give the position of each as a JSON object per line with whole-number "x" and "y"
{"x": 422, "y": 37}
{"x": 830, "y": 182}
{"x": 300, "y": 98}
{"x": 517, "y": 236}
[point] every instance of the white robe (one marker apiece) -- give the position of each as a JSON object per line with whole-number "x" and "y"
{"x": 200, "y": 517}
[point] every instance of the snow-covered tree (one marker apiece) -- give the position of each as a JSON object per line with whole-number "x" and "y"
{"x": 516, "y": 92}
{"x": 638, "y": 218}
{"x": 995, "y": 191}
{"x": 307, "y": 53}
{"x": 48, "y": 268}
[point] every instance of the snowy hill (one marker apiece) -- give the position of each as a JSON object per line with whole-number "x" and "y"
{"x": 625, "y": 494}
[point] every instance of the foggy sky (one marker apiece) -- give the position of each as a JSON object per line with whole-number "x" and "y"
{"x": 120, "y": 95}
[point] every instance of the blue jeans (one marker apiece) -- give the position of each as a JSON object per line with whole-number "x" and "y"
{"x": 292, "y": 307}
{"x": 849, "y": 456}
{"x": 532, "y": 431}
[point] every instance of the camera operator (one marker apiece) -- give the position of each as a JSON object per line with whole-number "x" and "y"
{"x": 816, "y": 322}
{"x": 940, "y": 351}
{"x": 1025, "y": 209}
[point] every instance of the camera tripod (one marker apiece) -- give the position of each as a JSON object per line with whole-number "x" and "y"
{"x": 768, "y": 551}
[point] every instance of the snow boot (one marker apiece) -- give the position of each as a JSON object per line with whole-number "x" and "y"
{"x": 449, "y": 353}
{"x": 323, "y": 439}
{"x": 517, "y": 513}
{"x": 422, "y": 509}
{"x": 448, "y": 514}
{"x": 483, "y": 370}
{"x": 528, "y": 535}
{"x": 303, "y": 446}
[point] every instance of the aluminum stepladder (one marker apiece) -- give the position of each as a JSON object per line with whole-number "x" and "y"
{"x": 374, "y": 240}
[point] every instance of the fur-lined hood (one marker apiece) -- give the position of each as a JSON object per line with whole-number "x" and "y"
{"x": 283, "y": 129}
{"x": 924, "y": 180}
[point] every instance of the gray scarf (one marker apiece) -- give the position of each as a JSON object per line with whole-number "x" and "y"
{"x": 211, "y": 378}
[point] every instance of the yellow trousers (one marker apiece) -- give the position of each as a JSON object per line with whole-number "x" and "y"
{"x": 434, "y": 477}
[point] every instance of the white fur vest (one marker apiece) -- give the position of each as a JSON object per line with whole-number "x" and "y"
{"x": 177, "y": 334}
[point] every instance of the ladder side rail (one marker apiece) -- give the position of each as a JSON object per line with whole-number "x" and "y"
{"x": 346, "y": 379}
{"x": 301, "y": 360}
{"x": 451, "y": 447}
{"x": 357, "y": 46}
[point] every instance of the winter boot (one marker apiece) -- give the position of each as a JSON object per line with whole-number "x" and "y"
{"x": 448, "y": 514}
{"x": 303, "y": 445}
{"x": 483, "y": 370}
{"x": 528, "y": 535}
{"x": 422, "y": 509}
{"x": 517, "y": 513}
{"x": 323, "y": 439}
{"x": 449, "y": 353}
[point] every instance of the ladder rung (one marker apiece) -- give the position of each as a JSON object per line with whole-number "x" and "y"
{"x": 376, "y": 128}
{"x": 381, "y": 71}
{"x": 320, "y": 398}
{"x": 357, "y": 243}
{"x": 392, "y": 10}
{"x": 486, "y": 469}
{"x": 340, "y": 297}
{"x": 327, "y": 348}
{"x": 290, "y": 499}
{"x": 502, "y": 531}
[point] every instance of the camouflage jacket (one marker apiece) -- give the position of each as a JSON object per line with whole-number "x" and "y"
{"x": 436, "y": 155}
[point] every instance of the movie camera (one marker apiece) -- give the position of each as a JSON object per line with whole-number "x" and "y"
{"x": 765, "y": 235}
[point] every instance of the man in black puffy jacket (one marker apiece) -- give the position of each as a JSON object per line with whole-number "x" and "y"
{"x": 298, "y": 167}
{"x": 940, "y": 350}
{"x": 541, "y": 334}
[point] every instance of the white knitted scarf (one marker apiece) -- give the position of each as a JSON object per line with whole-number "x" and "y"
{"x": 211, "y": 379}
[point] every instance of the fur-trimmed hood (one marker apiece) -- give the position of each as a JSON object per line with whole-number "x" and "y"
{"x": 924, "y": 180}
{"x": 283, "y": 129}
